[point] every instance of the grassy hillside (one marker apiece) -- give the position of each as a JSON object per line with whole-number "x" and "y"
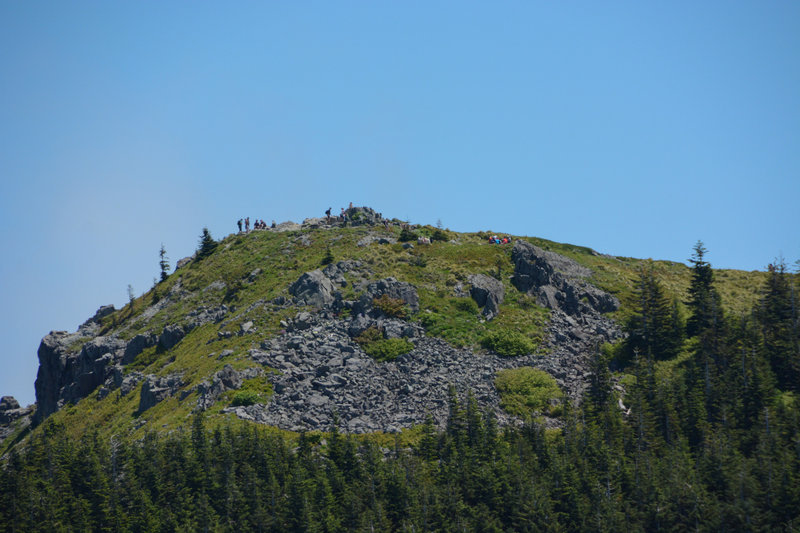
{"x": 247, "y": 272}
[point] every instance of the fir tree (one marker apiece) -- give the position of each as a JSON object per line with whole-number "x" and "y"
{"x": 654, "y": 327}
{"x": 777, "y": 316}
{"x": 163, "y": 263}
{"x": 207, "y": 245}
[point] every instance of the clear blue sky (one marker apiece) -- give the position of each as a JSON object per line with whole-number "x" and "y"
{"x": 635, "y": 128}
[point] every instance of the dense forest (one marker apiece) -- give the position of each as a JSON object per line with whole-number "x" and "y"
{"x": 709, "y": 442}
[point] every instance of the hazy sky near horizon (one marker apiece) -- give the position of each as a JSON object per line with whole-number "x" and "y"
{"x": 634, "y": 128}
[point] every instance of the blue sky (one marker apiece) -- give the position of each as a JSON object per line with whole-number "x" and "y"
{"x": 635, "y": 128}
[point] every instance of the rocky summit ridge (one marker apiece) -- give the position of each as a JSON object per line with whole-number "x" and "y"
{"x": 255, "y": 316}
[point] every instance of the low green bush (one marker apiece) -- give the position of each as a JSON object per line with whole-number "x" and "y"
{"x": 440, "y": 235}
{"x": 508, "y": 343}
{"x": 407, "y": 236}
{"x": 527, "y": 391}
{"x": 394, "y": 307}
{"x": 466, "y": 305}
{"x": 327, "y": 259}
{"x": 373, "y": 343}
{"x": 245, "y": 397}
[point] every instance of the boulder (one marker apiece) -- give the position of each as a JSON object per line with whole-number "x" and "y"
{"x": 183, "y": 262}
{"x": 136, "y": 346}
{"x": 313, "y": 288}
{"x": 102, "y": 312}
{"x": 363, "y": 216}
{"x": 287, "y": 226}
{"x": 7, "y": 403}
{"x": 394, "y": 289}
{"x": 487, "y": 293}
{"x": 557, "y": 282}
{"x": 157, "y": 389}
{"x": 335, "y": 271}
{"x": 171, "y": 336}
{"x": 11, "y": 412}
{"x": 224, "y": 380}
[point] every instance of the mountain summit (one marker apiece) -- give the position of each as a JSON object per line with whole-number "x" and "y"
{"x": 358, "y": 320}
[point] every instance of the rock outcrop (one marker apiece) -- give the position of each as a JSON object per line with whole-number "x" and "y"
{"x": 487, "y": 293}
{"x": 557, "y": 282}
{"x": 66, "y": 376}
{"x": 223, "y": 381}
{"x": 172, "y": 335}
{"x": 73, "y": 365}
{"x": 313, "y": 288}
{"x": 12, "y": 416}
{"x": 392, "y": 288}
{"x": 156, "y": 389}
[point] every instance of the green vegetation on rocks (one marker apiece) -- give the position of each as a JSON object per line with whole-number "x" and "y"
{"x": 527, "y": 392}
{"x": 375, "y": 345}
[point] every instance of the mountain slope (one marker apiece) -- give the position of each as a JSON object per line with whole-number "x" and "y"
{"x": 264, "y": 330}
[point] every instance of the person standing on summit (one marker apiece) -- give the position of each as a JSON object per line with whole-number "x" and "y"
{"x": 239, "y": 223}
{"x": 328, "y": 215}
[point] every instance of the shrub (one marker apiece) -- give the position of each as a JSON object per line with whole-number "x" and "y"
{"x": 394, "y": 307}
{"x": 508, "y": 343}
{"x": 439, "y": 235}
{"x": 245, "y": 397}
{"x": 466, "y": 305}
{"x": 526, "y": 391}
{"x": 373, "y": 343}
{"x": 328, "y": 257}
{"x": 406, "y": 235}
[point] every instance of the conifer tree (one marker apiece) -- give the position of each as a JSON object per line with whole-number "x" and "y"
{"x": 777, "y": 316}
{"x": 163, "y": 263}
{"x": 654, "y": 327}
{"x": 207, "y": 245}
{"x": 704, "y": 301}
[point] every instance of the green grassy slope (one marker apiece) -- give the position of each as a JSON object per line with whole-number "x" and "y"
{"x": 436, "y": 270}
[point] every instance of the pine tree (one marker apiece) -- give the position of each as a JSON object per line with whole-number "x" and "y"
{"x": 706, "y": 325}
{"x": 207, "y": 245}
{"x": 704, "y": 301}
{"x": 654, "y": 327}
{"x": 163, "y": 263}
{"x": 777, "y": 316}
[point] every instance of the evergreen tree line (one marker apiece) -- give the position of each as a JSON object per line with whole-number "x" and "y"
{"x": 713, "y": 444}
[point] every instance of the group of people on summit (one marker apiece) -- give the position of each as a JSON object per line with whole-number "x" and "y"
{"x": 258, "y": 224}
{"x": 342, "y": 216}
{"x": 494, "y": 239}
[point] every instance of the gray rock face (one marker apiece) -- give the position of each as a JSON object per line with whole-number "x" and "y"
{"x": 557, "y": 281}
{"x": 8, "y": 403}
{"x": 66, "y": 376}
{"x": 102, "y": 312}
{"x": 224, "y": 380}
{"x": 126, "y": 383}
{"x": 336, "y": 271}
{"x": 287, "y": 226}
{"x": 171, "y": 336}
{"x": 363, "y": 216}
{"x": 156, "y": 389}
{"x": 313, "y": 288}
{"x": 136, "y": 346}
{"x": 392, "y": 288}
{"x": 12, "y": 416}
{"x": 322, "y": 371}
{"x": 380, "y": 239}
{"x": 183, "y": 262}
{"x": 487, "y": 293}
